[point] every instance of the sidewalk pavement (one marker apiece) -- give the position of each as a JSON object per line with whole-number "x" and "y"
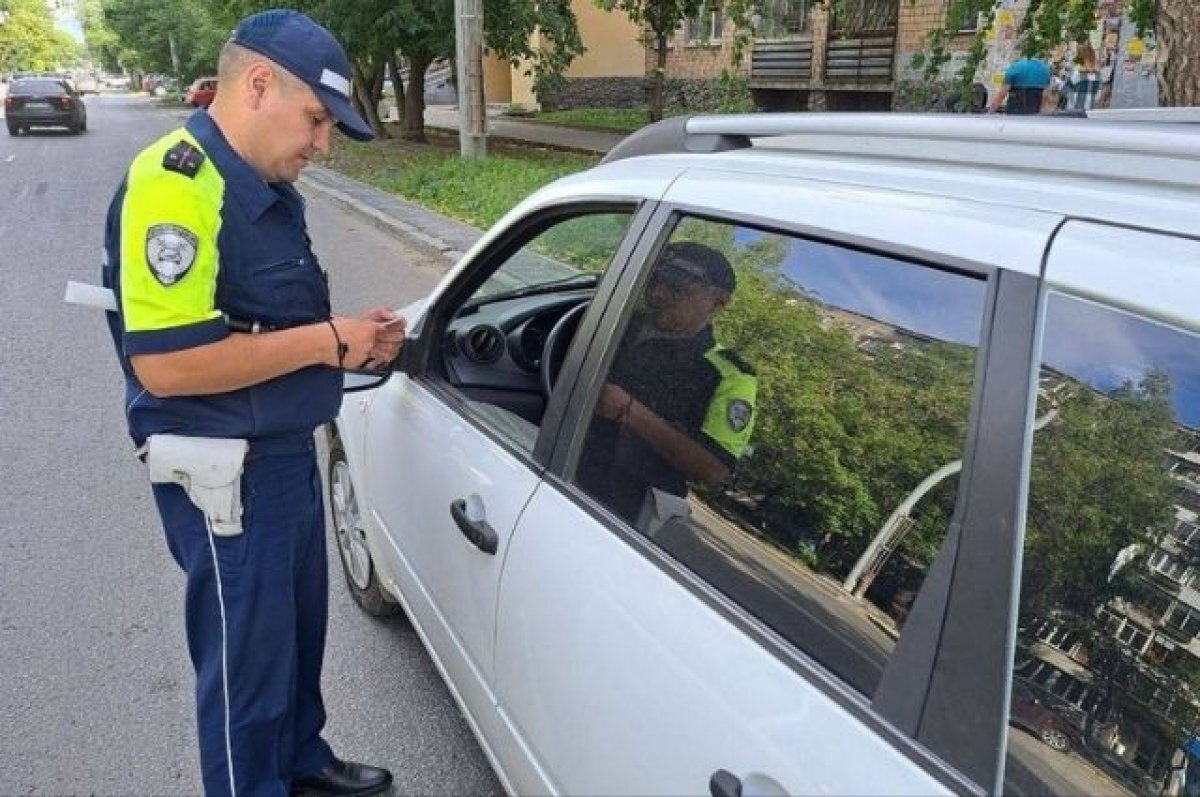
{"x": 423, "y": 228}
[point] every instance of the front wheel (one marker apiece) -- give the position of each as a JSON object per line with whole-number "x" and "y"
{"x": 361, "y": 578}
{"x": 14, "y": 130}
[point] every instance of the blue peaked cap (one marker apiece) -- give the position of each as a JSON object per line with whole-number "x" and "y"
{"x": 309, "y": 52}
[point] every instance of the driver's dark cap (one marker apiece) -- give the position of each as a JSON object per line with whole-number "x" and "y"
{"x": 311, "y": 53}
{"x": 696, "y": 263}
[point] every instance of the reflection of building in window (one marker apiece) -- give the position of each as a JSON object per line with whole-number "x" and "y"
{"x": 1137, "y": 694}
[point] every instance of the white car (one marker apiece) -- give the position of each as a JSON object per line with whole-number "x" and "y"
{"x": 795, "y": 534}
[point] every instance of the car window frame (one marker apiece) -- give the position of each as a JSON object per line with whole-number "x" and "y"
{"x": 1061, "y": 274}
{"x": 898, "y": 710}
{"x": 427, "y": 342}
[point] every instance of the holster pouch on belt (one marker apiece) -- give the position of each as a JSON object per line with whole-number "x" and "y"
{"x": 209, "y": 469}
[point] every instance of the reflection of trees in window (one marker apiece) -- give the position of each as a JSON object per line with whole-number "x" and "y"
{"x": 585, "y": 242}
{"x": 844, "y": 430}
{"x": 1098, "y": 487}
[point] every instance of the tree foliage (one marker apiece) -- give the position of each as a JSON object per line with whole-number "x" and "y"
{"x": 146, "y": 30}
{"x": 30, "y": 42}
{"x": 416, "y": 33}
{"x": 1097, "y": 486}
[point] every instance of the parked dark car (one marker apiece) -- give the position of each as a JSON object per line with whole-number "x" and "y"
{"x": 43, "y": 102}
{"x": 1032, "y": 712}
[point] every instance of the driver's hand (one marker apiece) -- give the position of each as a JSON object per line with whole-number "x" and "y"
{"x": 613, "y": 402}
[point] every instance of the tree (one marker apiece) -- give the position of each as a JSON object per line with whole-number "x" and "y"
{"x": 661, "y": 18}
{"x": 29, "y": 42}
{"x": 147, "y": 30}
{"x": 103, "y": 45}
{"x": 1049, "y": 23}
{"x": 1098, "y": 485}
{"x": 420, "y": 32}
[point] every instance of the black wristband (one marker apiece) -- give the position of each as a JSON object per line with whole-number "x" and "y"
{"x": 342, "y": 348}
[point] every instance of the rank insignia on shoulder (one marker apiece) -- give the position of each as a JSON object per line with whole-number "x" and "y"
{"x": 183, "y": 158}
{"x": 170, "y": 252}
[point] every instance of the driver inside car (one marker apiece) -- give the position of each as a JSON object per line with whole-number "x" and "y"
{"x": 678, "y": 407}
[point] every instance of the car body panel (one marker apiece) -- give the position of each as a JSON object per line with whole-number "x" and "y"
{"x": 586, "y": 658}
{"x": 626, "y": 665}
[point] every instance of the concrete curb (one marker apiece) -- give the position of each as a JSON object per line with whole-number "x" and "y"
{"x": 412, "y": 224}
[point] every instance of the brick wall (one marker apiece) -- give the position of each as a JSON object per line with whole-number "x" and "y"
{"x": 696, "y": 61}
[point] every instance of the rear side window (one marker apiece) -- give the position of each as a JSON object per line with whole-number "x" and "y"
{"x": 45, "y": 88}
{"x": 1106, "y": 686}
{"x": 786, "y": 418}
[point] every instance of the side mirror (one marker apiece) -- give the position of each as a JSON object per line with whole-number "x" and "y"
{"x": 355, "y": 380}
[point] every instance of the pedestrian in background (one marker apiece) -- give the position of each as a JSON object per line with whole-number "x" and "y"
{"x": 1025, "y": 82}
{"x": 232, "y": 359}
{"x": 1082, "y": 86}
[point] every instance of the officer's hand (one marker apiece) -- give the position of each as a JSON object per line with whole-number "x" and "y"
{"x": 390, "y": 337}
{"x": 614, "y": 402}
{"x": 358, "y": 336}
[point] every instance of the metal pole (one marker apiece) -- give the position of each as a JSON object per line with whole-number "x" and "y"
{"x": 472, "y": 133}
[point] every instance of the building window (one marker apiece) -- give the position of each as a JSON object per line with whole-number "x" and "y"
{"x": 781, "y": 18}
{"x": 1183, "y": 619}
{"x": 704, "y": 28}
{"x": 1186, "y": 533}
{"x": 1133, "y": 636}
{"x": 1163, "y": 563}
{"x": 974, "y": 16}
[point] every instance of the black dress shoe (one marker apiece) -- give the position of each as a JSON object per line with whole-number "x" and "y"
{"x": 344, "y": 779}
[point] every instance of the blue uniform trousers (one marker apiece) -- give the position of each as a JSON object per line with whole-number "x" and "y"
{"x": 257, "y": 606}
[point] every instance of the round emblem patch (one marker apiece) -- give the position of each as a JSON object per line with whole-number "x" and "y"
{"x": 738, "y": 414}
{"x": 170, "y": 252}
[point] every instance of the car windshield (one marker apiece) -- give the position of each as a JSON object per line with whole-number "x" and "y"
{"x": 42, "y": 87}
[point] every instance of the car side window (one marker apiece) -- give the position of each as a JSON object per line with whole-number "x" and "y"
{"x": 1107, "y": 664}
{"x": 506, "y": 340}
{"x": 786, "y": 418}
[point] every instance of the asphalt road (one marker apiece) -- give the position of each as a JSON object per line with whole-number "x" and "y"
{"x": 95, "y": 684}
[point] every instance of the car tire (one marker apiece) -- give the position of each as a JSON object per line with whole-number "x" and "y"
{"x": 83, "y": 125}
{"x": 350, "y": 536}
{"x": 14, "y": 130}
{"x": 1054, "y": 738}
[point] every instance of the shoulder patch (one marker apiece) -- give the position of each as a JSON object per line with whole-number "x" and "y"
{"x": 736, "y": 361}
{"x": 184, "y": 158}
{"x": 738, "y": 414}
{"x": 170, "y": 252}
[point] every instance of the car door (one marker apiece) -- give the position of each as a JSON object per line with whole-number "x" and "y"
{"x": 450, "y": 451}
{"x": 774, "y": 633}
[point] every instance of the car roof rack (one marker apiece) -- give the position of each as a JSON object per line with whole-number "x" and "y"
{"x": 1123, "y": 148}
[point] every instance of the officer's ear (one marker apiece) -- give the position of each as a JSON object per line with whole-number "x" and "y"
{"x": 257, "y": 79}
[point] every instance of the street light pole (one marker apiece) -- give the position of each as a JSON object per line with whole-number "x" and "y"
{"x": 468, "y": 26}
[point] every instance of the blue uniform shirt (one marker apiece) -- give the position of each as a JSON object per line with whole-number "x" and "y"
{"x": 195, "y": 235}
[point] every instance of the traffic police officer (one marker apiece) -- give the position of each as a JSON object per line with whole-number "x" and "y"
{"x": 225, "y": 334}
{"x": 678, "y": 407}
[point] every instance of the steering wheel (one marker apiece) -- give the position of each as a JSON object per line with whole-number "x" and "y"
{"x": 555, "y": 350}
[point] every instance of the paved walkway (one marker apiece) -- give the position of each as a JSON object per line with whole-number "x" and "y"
{"x": 595, "y": 142}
